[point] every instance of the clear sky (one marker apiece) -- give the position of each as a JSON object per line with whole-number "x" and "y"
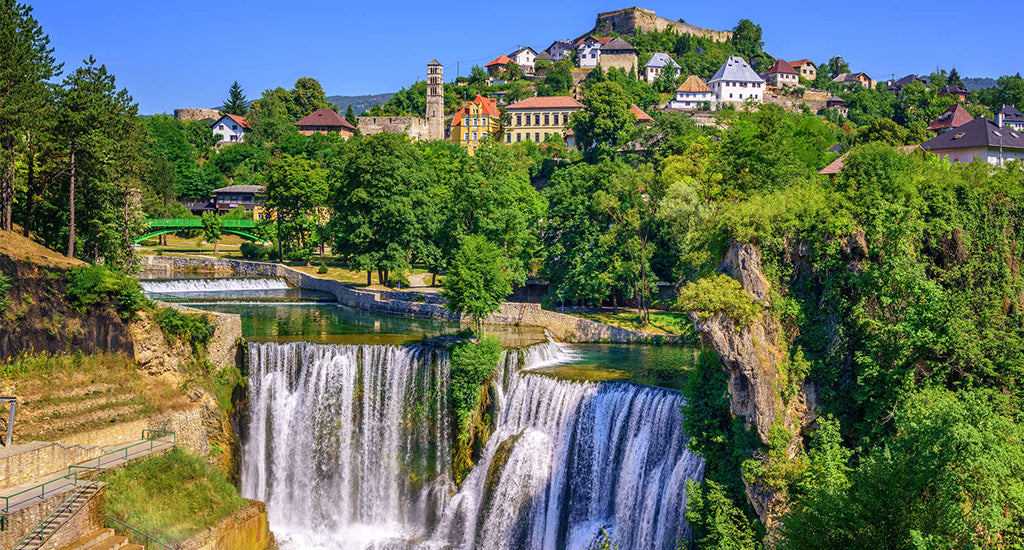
{"x": 186, "y": 53}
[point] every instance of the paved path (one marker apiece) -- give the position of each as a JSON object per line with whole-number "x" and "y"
{"x": 20, "y": 496}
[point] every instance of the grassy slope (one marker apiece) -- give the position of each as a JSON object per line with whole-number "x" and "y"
{"x": 170, "y": 497}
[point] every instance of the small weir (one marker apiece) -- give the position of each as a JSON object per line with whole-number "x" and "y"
{"x": 227, "y": 284}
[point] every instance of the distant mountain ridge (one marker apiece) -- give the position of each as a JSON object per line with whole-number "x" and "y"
{"x": 359, "y": 103}
{"x": 975, "y": 84}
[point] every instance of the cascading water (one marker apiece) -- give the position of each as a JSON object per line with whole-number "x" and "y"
{"x": 348, "y": 447}
{"x": 213, "y": 285}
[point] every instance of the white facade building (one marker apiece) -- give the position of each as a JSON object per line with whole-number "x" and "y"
{"x": 588, "y": 51}
{"x": 658, "y": 63}
{"x": 736, "y": 82}
{"x": 979, "y": 139}
{"x": 526, "y": 58}
{"x": 692, "y": 94}
{"x": 558, "y": 50}
{"x": 230, "y": 128}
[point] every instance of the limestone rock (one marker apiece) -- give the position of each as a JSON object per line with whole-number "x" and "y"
{"x": 743, "y": 263}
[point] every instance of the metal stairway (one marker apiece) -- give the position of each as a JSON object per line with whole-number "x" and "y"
{"x": 67, "y": 509}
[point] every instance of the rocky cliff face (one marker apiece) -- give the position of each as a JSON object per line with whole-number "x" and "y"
{"x": 39, "y": 320}
{"x": 752, "y": 356}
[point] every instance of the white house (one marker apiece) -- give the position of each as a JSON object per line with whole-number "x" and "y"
{"x": 230, "y": 128}
{"x": 526, "y": 58}
{"x": 692, "y": 94}
{"x": 736, "y": 82}
{"x": 658, "y": 63}
{"x": 588, "y": 51}
{"x": 782, "y": 74}
{"x": 1008, "y": 115}
{"x": 979, "y": 139}
{"x": 559, "y": 49}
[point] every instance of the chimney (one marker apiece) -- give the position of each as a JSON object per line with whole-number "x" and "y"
{"x": 999, "y": 118}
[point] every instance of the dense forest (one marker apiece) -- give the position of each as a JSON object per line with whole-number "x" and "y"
{"x": 895, "y": 301}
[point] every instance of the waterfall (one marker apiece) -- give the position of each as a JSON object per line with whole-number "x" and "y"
{"x": 348, "y": 445}
{"x": 213, "y": 285}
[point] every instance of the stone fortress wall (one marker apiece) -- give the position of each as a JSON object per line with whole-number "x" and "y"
{"x": 624, "y": 21}
{"x": 414, "y": 127}
{"x": 196, "y": 114}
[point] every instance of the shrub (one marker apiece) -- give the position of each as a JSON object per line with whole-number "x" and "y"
{"x": 194, "y": 328}
{"x": 254, "y": 251}
{"x": 323, "y": 269}
{"x": 711, "y": 296}
{"x": 473, "y": 363}
{"x": 96, "y": 285}
{"x": 5, "y": 283}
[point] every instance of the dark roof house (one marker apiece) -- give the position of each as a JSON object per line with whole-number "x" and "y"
{"x": 898, "y": 85}
{"x": 979, "y": 139}
{"x": 324, "y": 121}
{"x": 954, "y": 116}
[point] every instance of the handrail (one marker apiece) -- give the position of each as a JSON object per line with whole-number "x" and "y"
{"x": 42, "y": 525}
{"x": 198, "y": 223}
{"x": 140, "y": 532}
{"x": 99, "y": 465}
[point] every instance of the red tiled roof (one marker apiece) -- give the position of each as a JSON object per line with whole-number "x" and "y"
{"x": 641, "y": 116}
{"x": 500, "y": 60}
{"x": 781, "y": 67}
{"x": 954, "y": 116}
{"x": 556, "y": 102}
{"x": 800, "y": 63}
{"x": 602, "y": 40}
{"x": 241, "y": 121}
{"x": 325, "y": 117}
{"x": 488, "y": 106}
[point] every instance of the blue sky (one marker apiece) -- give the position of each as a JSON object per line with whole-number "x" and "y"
{"x": 187, "y": 53}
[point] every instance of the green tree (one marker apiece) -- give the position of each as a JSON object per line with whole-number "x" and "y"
{"x": 837, "y": 66}
{"x": 271, "y": 116}
{"x": 375, "y": 212}
{"x": 213, "y": 226}
{"x": 350, "y": 116}
{"x": 954, "y": 78}
{"x": 715, "y": 519}
{"x": 557, "y": 81}
{"x": 296, "y": 190}
{"x": 478, "y": 280}
{"x": 606, "y": 123}
{"x": 308, "y": 96}
{"x": 27, "y": 65}
{"x": 477, "y": 75}
{"x": 98, "y": 124}
{"x": 746, "y": 38}
{"x": 235, "y": 104}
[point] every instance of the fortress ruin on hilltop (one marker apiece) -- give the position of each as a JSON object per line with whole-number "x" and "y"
{"x": 626, "y": 20}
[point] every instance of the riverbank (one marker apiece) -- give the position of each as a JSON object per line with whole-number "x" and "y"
{"x": 565, "y": 328}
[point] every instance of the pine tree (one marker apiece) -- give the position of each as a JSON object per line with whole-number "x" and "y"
{"x": 236, "y": 104}
{"x": 954, "y": 78}
{"x": 350, "y": 116}
{"x": 27, "y": 64}
{"x": 100, "y": 141}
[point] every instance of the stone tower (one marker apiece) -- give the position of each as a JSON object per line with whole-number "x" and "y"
{"x": 435, "y": 101}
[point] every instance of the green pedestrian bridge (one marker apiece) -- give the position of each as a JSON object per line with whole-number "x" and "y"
{"x": 160, "y": 226}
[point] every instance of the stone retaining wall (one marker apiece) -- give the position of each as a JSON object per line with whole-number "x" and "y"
{"x": 34, "y": 460}
{"x": 87, "y": 520}
{"x": 246, "y": 529}
{"x": 565, "y": 328}
{"x": 187, "y": 426}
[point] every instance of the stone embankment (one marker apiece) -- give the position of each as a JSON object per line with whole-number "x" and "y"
{"x": 565, "y": 328}
{"x": 246, "y": 529}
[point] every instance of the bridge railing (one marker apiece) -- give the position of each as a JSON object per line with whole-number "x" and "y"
{"x": 186, "y": 223}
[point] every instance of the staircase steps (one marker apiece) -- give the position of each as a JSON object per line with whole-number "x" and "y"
{"x": 112, "y": 543}
{"x": 86, "y": 543}
{"x": 60, "y": 516}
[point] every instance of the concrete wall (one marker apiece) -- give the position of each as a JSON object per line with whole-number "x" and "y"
{"x": 624, "y": 21}
{"x": 88, "y": 519}
{"x": 246, "y": 529}
{"x": 562, "y": 327}
{"x": 414, "y": 127}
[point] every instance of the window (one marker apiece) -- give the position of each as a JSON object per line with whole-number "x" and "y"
{"x": 547, "y": 121}
{"x": 234, "y": 126}
{"x": 730, "y": 96}
{"x": 527, "y": 136}
{"x": 474, "y": 135}
{"x": 536, "y": 120}
{"x": 536, "y": 136}
{"x": 527, "y": 123}
{"x": 518, "y": 137}
{"x": 593, "y": 56}
{"x": 221, "y": 127}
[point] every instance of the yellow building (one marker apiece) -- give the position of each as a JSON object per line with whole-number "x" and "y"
{"x": 475, "y": 122}
{"x": 533, "y": 119}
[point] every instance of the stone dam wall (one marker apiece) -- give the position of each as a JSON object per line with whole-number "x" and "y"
{"x": 565, "y": 328}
